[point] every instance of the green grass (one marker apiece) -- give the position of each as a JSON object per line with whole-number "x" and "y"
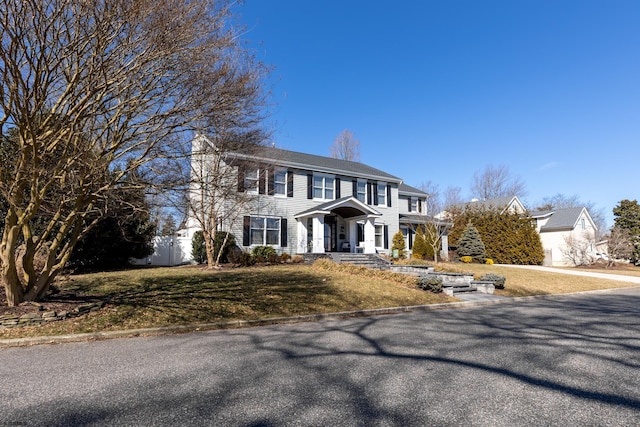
{"x": 159, "y": 297}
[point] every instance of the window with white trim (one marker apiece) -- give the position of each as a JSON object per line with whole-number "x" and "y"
{"x": 323, "y": 187}
{"x": 379, "y": 236}
{"x": 265, "y": 231}
{"x": 280, "y": 182}
{"x": 382, "y": 194}
{"x": 361, "y": 191}
{"x": 414, "y": 205}
{"x": 251, "y": 179}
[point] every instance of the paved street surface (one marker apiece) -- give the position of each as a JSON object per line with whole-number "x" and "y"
{"x": 561, "y": 361}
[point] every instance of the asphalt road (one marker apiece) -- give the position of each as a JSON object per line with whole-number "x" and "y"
{"x": 562, "y": 361}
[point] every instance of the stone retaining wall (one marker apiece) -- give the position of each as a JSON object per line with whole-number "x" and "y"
{"x": 414, "y": 270}
{"x": 43, "y": 317}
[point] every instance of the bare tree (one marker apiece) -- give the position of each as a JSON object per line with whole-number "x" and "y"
{"x": 496, "y": 181}
{"x": 346, "y": 147}
{"x": 619, "y": 245}
{"x": 94, "y": 90}
{"x": 217, "y": 189}
{"x": 434, "y": 227}
{"x": 578, "y": 249}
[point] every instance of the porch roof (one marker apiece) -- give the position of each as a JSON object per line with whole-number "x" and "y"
{"x": 346, "y": 207}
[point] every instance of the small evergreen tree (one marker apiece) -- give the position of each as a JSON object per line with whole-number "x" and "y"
{"x": 399, "y": 244}
{"x": 420, "y": 247}
{"x": 470, "y": 244}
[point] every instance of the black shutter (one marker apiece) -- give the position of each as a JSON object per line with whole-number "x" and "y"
{"x": 386, "y": 237}
{"x": 360, "y": 233}
{"x": 388, "y": 196}
{"x": 309, "y": 186}
{"x": 419, "y": 205}
{"x": 354, "y": 188}
{"x": 369, "y": 194}
{"x": 283, "y": 232}
{"x": 271, "y": 182}
{"x": 409, "y": 200}
{"x": 241, "y": 175}
{"x": 262, "y": 181}
{"x": 246, "y": 231}
{"x": 375, "y": 193}
{"x": 337, "y": 181}
{"x": 289, "y": 183}
{"x": 410, "y": 234}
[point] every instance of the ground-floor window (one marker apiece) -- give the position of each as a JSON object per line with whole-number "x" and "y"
{"x": 265, "y": 231}
{"x": 379, "y": 236}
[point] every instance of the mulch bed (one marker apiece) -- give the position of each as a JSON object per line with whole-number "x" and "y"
{"x": 61, "y": 301}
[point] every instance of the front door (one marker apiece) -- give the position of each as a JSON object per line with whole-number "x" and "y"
{"x": 330, "y": 234}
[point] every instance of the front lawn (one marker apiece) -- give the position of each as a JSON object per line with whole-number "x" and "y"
{"x": 154, "y": 297}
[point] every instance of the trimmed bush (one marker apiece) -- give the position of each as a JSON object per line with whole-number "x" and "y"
{"x": 466, "y": 259}
{"x": 198, "y": 249}
{"x": 264, "y": 254}
{"x": 498, "y": 281}
{"x": 430, "y": 283}
{"x": 398, "y": 244}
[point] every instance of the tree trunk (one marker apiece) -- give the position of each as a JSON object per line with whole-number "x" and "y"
{"x": 9, "y": 272}
{"x": 10, "y": 279}
{"x": 209, "y": 246}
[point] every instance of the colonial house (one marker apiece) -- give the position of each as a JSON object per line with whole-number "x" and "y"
{"x": 304, "y": 203}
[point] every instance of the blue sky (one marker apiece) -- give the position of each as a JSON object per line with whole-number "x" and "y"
{"x": 437, "y": 90}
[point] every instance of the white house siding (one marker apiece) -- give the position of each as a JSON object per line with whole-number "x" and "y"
{"x": 288, "y": 207}
{"x": 556, "y": 241}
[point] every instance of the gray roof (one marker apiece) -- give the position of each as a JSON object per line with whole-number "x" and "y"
{"x": 563, "y": 219}
{"x": 498, "y": 202}
{"x": 407, "y": 189}
{"x": 317, "y": 163}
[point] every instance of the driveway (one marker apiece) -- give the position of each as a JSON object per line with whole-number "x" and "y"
{"x": 558, "y": 361}
{"x": 607, "y": 276}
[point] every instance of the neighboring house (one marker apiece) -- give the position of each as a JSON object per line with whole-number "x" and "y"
{"x": 567, "y": 235}
{"x": 305, "y": 203}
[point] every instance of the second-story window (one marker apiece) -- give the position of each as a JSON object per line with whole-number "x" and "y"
{"x": 362, "y": 191}
{"x": 280, "y": 182}
{"x": 413, "y": 207}
{"x": 323, "y": 187}
{"x": 382, "y": 193}
{"x": 251, "y": 179}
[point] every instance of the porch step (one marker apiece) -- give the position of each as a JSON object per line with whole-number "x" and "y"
{"x": 363, "y": 260}
{"x": 454, "y": 288}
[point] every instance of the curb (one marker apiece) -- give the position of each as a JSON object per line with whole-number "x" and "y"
{"x": 167, "y": 330}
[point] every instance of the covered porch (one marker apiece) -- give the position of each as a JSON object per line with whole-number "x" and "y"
{"x": 342, "y": 225}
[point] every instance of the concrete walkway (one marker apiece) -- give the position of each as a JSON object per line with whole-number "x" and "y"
{"x": 607, "y": 276}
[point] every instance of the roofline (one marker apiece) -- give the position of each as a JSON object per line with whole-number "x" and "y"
{"x": 306, "y": 166}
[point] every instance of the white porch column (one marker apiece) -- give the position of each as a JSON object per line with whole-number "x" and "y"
{"x": 444, "y": 252}
{"x": 353, "y": 235}
{"x": 302, "y": 236}
{"x": 369, "y": 236}
{"x": 318, "y": 235}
